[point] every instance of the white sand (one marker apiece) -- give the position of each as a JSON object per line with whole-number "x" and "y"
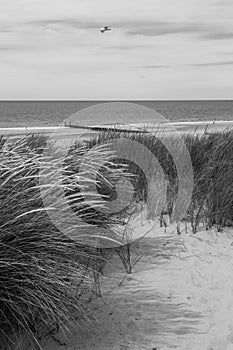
{"x": 180, "y": 296}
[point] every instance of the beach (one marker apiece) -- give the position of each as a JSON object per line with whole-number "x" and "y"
{"x": 62, "y": 131}
{"x": 116, "y": 175}
{"x": 178, "y": 292}
{"x": 180, "y": 296}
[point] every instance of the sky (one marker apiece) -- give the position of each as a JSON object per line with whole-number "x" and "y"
{"x": 156, "y": 50}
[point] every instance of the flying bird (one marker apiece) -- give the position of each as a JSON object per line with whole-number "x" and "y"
{"x": 105, "y": 29}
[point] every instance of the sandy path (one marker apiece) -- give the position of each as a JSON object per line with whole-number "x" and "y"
{"x": 180, "y": 296}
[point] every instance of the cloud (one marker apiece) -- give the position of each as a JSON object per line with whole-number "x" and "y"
{"x": 223, "y": 3}
{"x": 66, "y": 22}
{"x": 158, "y": 28}
{"x": 155, "y": 66}
{"x": 131, "y": 27}
{"x": 203, "y": 30}
{"x": 127, "y": 47}
{"x": 164, "y": 28}
{"x": 204, "y": 64}
{"x": 5, "y": 30}
{"x": 219, "y": 36}
{"x": 16, "y": 47}
{"x": 212, "y": 64}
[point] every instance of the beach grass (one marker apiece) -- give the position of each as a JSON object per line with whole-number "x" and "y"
{"x": 212, "y": 163}
{"x": 44, "y": 273}
{"x": 47, "y": 274}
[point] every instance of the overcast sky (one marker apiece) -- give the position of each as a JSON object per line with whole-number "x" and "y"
{"x": 157, "y": 49}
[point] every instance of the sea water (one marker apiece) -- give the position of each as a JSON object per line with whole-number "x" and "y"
{"x": 51, "y": 113}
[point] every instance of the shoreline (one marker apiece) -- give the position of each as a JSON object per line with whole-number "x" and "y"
{"x": 62, "y": 130}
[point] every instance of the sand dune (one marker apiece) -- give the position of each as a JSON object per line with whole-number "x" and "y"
{"x": 180, "y": 296}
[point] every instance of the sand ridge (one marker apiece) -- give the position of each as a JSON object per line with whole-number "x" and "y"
{"x": 180, "y": 296}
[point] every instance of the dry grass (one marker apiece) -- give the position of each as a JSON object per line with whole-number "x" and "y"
{"x": 212, "y": 162}
{"x": 43, "y": 271}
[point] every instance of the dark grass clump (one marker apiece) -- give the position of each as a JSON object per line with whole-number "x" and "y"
{"x": 212, "y": 161}
{"x": 111, "y": 169}
{"x": 156, "y": 146}
{"x": 45, "y": 275}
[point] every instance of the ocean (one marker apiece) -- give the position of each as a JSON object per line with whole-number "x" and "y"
{"x": 51, "y": 113}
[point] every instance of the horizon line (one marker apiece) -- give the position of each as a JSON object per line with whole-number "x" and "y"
{"x": 115, "y": 100}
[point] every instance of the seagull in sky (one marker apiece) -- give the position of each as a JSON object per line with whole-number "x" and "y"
{"x": 105, "y": 29}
